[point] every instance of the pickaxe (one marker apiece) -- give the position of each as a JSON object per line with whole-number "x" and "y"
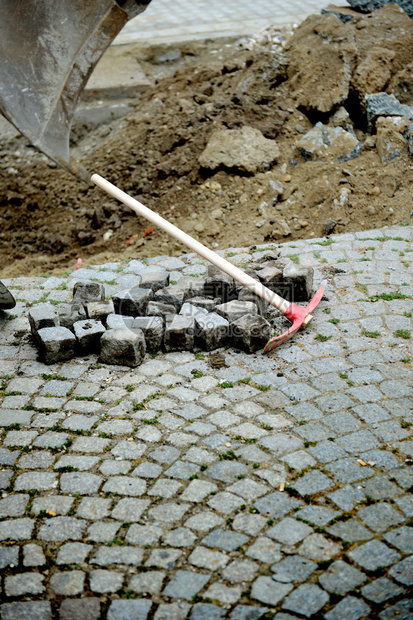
{"x": 300, "y": 317}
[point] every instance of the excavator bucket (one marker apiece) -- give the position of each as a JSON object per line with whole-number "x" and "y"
{"x": 48, "y": 49}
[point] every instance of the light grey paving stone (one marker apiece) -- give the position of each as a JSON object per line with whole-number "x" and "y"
{"x": 103, "y": 531}
{"x": 180, "y": 537}
{"x": 9, "y": 557}
{"x": 62, "y": 529}
{"x": 380, "y": 487}
{"x": 222, "y": 593}
{"x": 248, "y": 523}
{"x": 347, "y": 497}
{"x": 402, "y": 610}
{"x": 68, "y": 583}
{"x": 112, "y": 468}
{"x": 128, "y": 450}
{"x": 224, "y": 540}
{"x": 50, "y": 439}
{"x": 30, "y": 610}
{"x": 85, "y": 608}
{"x": 172, "y": 611}
{"x": 33, "y": 555}
{"x": 143, "y": 534}
{"x": 317, "y": 515}
{"x": 129, "y": 509}
{"x": 93, "y": 508}
{"x": 73, "y": 553}
{"x": 168, "y": 512}
{"x": 55, "y": 344}
{"x": 276, "y": 505}
{"x": 307, "y": 599}
{"x": 204, "y": 521}
{"x": 124, "y": 485}
{"x": 312, "y": 483}
{"x": 240, "y": 571}
{"x": 117, "y": 555}
{"x": 316, "y": 547}
{"x": 205, "y": 558}
{"x": 96, "y": 445}
{"x": 266, "y": 591}
{"x": 373, "y": 554}
{"x": 379, "y": 517}
{"x": 129, "y": 610}
{"x": 148, "y": 582}
{"x": 226, "y": 471}
{"x": 103, "y": 581}
{"x": 115, "y": 427}
{"x": 402, "y": 538}
{"x": 147, "y": 470}
{"x": 405, "y": 504}
{"x": 206, "y": 611}
{"x": 265, "y": 550}
{"x": 225, "y": 503}
{"x": 14, "y": 505}
{"x": 79, "y": 482}
{"x": 163, "y": 558}
{"x": 248, "y": 612}
{"x": 349, "y": 470}
{"x": 340, "y": 578}
{"x": 289, "y": 531}
{"x": 8, "y": 457}
{"x": 185, "y": 584}
{"x": 403, "y": 571}
{"x": 349, "y": 608}
{"x": 381, "y": 590}
{"x": 36, "y": 460}
{"x": 165, "y": 488}
{"x": 56, "y": 504}
{"x": 20, "y": 438}
{"x": 16, "y": 529}
{"x": 293, "y": 568}
{"x": 24, "y": 584}
{"x": 350, "y": 531}
{"x": 78, "y": 462}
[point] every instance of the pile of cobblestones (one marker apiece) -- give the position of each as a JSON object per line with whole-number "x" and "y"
{"x": 272, "y": 486}
{"x": 209, "y": 312}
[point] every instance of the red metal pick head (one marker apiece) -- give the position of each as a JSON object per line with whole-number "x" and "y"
{"x": 299, "y": 317}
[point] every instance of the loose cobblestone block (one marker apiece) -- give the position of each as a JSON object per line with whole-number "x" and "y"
{"x": 132, "y": 302}
{"x": 85, "y": 292}
{"x": 250, "y": 332}
{"x": 156, "y": 308}
{"x": 300, "y": 278}
{"x": 203, "y": 302}
{"x": 62, "y": 529}
{"x": 180, "y": 334}
{"x": 172, "y": 611}
{"x": 69, "y": 314}
{"x": 99, "y": 310}
{"x": 403, "y": 609}
{"x": 152, "y": 328}
{"x": 118, "y": 555}
{"x": 289, "y": 531}
{"x": 340, "y": 578}
{"x": 42, "y": 315}
{"x": 206, "y": 611}
{"x": 211, "y": 331}
{"x": 155, "y": 280}
{"x": 56, "y": 344}
{"x": 205, "y": 558}
{"x": 122, "y": 346}
{"x": 88, "y": 334}
{"x": 233, "y": 310}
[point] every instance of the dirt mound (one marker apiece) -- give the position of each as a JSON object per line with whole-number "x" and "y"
{"x": 339, "y": 180}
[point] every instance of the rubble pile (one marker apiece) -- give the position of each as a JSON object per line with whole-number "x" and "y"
{"x": 205, "y": 312}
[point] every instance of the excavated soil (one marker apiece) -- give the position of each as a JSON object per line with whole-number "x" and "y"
{"x": 281, "y": 83}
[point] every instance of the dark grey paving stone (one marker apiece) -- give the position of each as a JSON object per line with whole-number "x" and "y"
{"x": 327, "y": 451}
{"x": 379, "y": 517}
{"x": 289, "y": 531}
{"x": 225, "y": 540}
{"x": 403, "y": 571}
{"x": 206, "y": 611}
{"x": 317, "y": 515}
{"x": 311, "y": 483}
{"x": 347, "y": 497}
{"x": 373, "y": 555}
{"x": 85, "y": 608}
{"x": 276, "y": 505}
{"x": 349, "y": 470}
{"x": 350, "y": 608}
{"x": 403, "y": 610}
{"x": 380, "y": 487}
{"x": 248, "y": 612}
{"x": 307, "y": 600}
{"x": 402, "y": 538}
{"x": 358, "y": 442}
{"x": 265, "y": 590}
{"x": 340, "y": 578}
{"x": 381, "y": 590}
{"x": 293, "y": 568}
{"x": 350, "y": 531}
{"x": 185, "y": 584}
{"x": 129, "y": 610}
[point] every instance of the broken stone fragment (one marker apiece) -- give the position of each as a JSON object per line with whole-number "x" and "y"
{"x": 219, "y": 284}
{"x": 271, "y": 277}
{"x": 250, "y": 333}
{"x": 188, "y": 309}
{"x": 70, "y": 313}
{"x": 245, "y": 294}
{"x": 88, "y": 334}
{"x": 389, "y": 141}
{"x": 99, "y": 310}
{"x": 55, "y": 344}
{"x": 211, "y": 330}
{"x": 119, "y": 321}
{"x": 233, "y": 310}
{"x": 203, "y": 302}
{"x": 299, "y": 281}
{"x": 133, "y": 301}
{"x": 152, "y": 328}
{"x": 155, "y": 279}
{"x": 122, "y": 346}
{"x": 332, "y": 142}
{"x": 368, "y": 6}
{"x": 177, "y": 294}
{"x": 7, "y": 301}
{"x": 382, "y": 104}
{"x": 243, "y": 150}
{"x": 41, "y": 316}
{"x": 180, "y": 334}
{"x": 84, "y": 292}
{"x": 156, "y": 308}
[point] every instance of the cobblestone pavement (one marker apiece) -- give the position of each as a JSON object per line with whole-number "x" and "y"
{"x": 270, "y": 487}
{"x": 193, "y": 19}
